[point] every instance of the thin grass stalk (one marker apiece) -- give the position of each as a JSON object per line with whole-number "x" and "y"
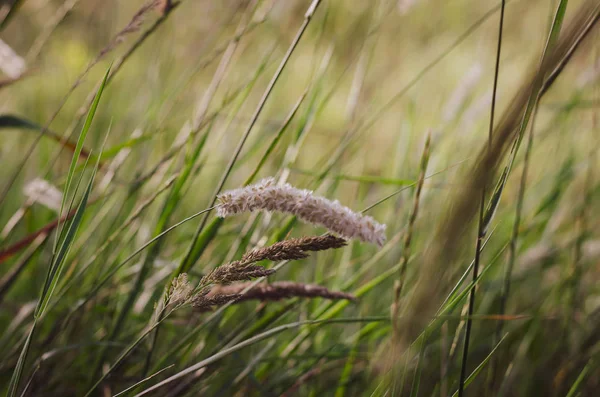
{"x": 195, "y": 249}
{"x": 575, "y": 270}
{"x": 444, "y": 361}
{"x": 482, "y": 229}
{"x": 512, "y": 253}
{"x": 515, "y": 235}
{"x": 399, "y": 283}
{"x": 583, "y": 216}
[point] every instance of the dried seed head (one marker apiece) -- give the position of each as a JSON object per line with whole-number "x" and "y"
{"x": 268, "y": 196}
{"x": 280, "y": 290}
{"x": 181, "y": 290}
{"x": 245, "y": 269}
{"x": 319, "y": 243}
{"x": 276, "y": 252}
{"x": 204, "y": 302}
{"x": 237, "y": 271}
{"x": 293, "y": 248}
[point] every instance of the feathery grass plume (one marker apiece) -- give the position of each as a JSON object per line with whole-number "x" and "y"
{"x": 278, "y": 290}
{"x": 268, "y": 196}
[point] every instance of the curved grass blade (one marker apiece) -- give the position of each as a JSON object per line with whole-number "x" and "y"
{"x": 79, "y": 147}
{"x": 62, "y": 246}
{"x": 255, "y": 339}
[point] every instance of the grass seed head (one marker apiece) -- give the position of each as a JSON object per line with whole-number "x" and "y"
{"x": 266, "y": 195}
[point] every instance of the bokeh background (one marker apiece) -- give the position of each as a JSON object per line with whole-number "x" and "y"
{"x": 374, "y": 80}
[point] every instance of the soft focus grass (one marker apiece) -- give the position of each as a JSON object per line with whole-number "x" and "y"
{"x": 339, "y": 121}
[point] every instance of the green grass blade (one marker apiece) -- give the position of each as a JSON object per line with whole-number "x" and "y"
{"x": 64, "y": 247}
{"x": 255, "y": 339}
{"x": 79, "y": 146}
{"x": 582, "y": 375}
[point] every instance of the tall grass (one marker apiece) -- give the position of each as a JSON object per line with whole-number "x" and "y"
{"x": 221, "y": 142}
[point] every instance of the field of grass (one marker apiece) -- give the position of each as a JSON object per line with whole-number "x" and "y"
{"x": 469, "y": 128}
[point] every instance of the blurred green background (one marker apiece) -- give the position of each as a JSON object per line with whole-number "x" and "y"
{"x": 374, "y": 79}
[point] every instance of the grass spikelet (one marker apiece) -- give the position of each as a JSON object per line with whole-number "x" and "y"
{"x": 237, "y": 271}
{"x": 266, "y": 195}
{"x": 279, "y": 290}
{"x": 204, "y": 302}
{"x": 294, "y": 248}
{"x": 287, "y": 250}
{"x": 181, "y": 290}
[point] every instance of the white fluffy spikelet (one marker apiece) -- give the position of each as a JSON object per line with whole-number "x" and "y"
{"x": 268, "y": 196}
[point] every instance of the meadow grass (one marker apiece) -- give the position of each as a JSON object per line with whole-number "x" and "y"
{"x": 292, "y": 198}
